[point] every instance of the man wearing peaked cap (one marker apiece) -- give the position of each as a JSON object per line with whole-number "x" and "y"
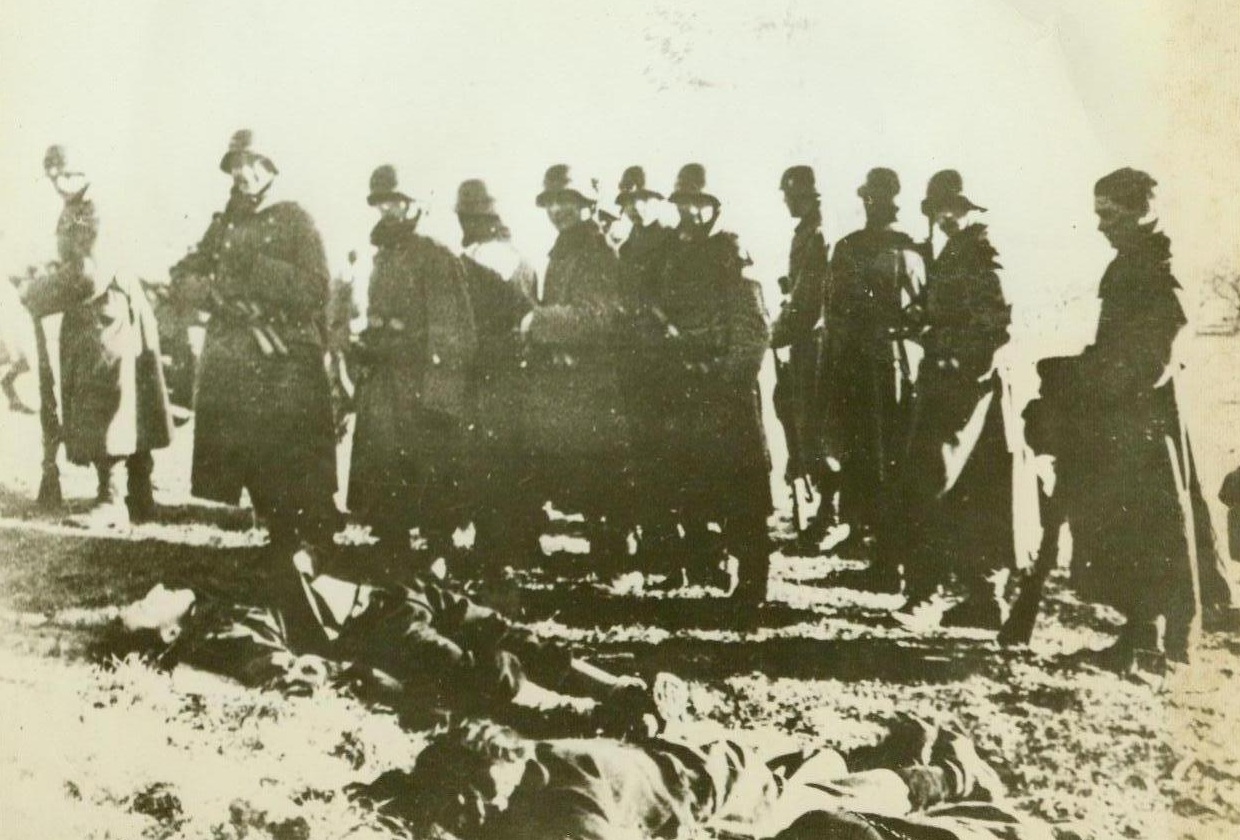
{"x": 114, "y": 402}
{"x": 799, "y": 329}
{"x": 870, "y": 367}
{"x": 408, "y": 466}
{"x": 263, "y": 419}
{"x": 715, "y": 336}
{"x": 573, "y": 418}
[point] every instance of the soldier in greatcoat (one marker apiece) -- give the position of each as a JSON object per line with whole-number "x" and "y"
{"x": 415, "y": 354}
{"x": 573, "y": 417}
{"x": 115, "y": 403}
{"x": 642, "y": 256}
{"x": 870, "y": 368}
{"x": 797, "y": 331}
{"x": 1142, "y": 539}
{"x": 503, "y": 287}
{"x": 714, "y": 338}
{"x": 263, "y": 411}
{"x": 959, "y": 473}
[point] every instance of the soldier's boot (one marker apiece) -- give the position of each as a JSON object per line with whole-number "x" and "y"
{"x": 752, "y": 582}
{"x": 49, "y": 497}
{"x": 141, "y": 495}
{"x": 609, "y": 548}
{"x": 109, "y": 512}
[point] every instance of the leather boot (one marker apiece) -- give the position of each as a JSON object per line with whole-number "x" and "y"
{"x": 109, "y": 512}
{"x": 141, "y": 497}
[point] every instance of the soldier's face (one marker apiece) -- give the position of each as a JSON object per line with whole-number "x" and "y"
{"x": 476, "y": 228}
{"x": 67, "y": 183}
{"x": 639, "y": 211}
{"x": 619, "y": 230}
{"x": 566, "y": 212}
{"x": 1119, "y": 224}
{"x": 949, "y": 221}
{"x": 696, "y": 217}
{"x": 162, "y": 609}
{"x": 396, "y": 209}
{"x": 251, "y": 175}
{"x": 798, "y": 204}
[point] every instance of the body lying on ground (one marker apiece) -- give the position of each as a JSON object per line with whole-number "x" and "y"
{"x": 481, "y": 780}
{"x": 420, "y": 648}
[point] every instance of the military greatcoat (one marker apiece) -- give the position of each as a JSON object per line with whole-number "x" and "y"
{"x": 263, "y": 406}
{"x": 114, "y": 399}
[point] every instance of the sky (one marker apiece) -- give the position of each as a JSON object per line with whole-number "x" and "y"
{"x": 1032, "y": 100}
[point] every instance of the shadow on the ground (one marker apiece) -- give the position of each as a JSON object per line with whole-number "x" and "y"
{"x": 226, "y": 518}
{"x": 850, "y": 660}
{"x": 43, "y": 572}
{"x": 586, "y": 606}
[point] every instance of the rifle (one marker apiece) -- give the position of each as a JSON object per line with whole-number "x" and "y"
{"x": 1018, "y": 629}
{"x": 50, "y": 497}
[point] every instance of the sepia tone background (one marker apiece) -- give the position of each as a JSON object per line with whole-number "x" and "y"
{"x": 1031, "y": 99}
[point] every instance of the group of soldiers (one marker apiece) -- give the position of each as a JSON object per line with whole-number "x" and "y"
{"x": 623, "y": 385}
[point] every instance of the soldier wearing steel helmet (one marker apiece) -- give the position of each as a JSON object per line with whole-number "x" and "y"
{"x": 642, "y": 255}
{"x": 263, "y": 407}
{"x": 797, "y": 331}
{"x": 416, "y": 353}
{"x": 871, "y": 365}
{"x": 503, "y": 287}
{"x": 715, "y": 334}
{"x": 959, "y": 472}
{"x": 574, "y": 418}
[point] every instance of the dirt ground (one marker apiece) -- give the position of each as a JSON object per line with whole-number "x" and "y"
{"x": 129, "y": 752}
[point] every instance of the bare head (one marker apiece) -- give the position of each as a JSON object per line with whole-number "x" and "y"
{"x": 162, "y": 611}
{"x": 1122, "y": 203}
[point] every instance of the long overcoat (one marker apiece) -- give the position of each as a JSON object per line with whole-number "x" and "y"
{"x": 263, "y": 409}
{"x": 870, "y": 364}
{"x": 573, "y": 406}
{"x": 799, "y": 328}
{"x": 1128, "y": 473}
{"x": 960, "y": 469}
{"x": 418, "y": 351}
{"x": 714, "y": 450}
{"x": 503, "y": 287}
{"x": 114, "y": 401}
